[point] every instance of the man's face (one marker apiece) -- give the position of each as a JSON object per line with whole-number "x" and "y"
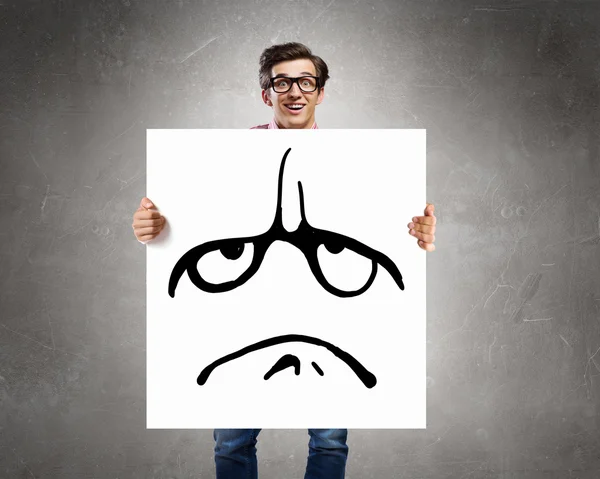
{"x": 281, "y": 102}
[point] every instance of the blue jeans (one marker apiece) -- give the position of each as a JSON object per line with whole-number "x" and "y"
{"x": 235, "y": 453}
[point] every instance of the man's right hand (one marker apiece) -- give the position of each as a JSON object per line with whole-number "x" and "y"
{"x": 147, "y": 221}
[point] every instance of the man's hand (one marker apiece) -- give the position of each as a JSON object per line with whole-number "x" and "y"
{"x": 147, "y": 221}
{"x": 423, "y": 228}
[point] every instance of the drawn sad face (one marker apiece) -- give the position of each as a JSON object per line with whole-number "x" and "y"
{"x": 308, "y": 240}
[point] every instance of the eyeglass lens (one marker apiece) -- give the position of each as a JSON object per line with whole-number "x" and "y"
{"x": 283, "y": 84}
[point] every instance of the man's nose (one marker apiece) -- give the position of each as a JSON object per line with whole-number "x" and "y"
{"x": 295, "y": 90}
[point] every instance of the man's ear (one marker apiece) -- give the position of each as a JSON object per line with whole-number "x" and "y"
{"x": 266, "y": 99}
{"x": 321, "y": 95}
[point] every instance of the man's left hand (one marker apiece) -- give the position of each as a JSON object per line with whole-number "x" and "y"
{"x": 423, "y": 228}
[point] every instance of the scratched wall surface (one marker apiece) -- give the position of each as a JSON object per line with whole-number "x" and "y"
{"x": 508, "y": 93}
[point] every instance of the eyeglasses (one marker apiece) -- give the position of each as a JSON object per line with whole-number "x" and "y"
{"x": 284, "y": 84}
{"x": 306, "y": 238}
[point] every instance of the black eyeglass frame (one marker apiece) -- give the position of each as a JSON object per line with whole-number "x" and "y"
{"x": 295, "y": 80}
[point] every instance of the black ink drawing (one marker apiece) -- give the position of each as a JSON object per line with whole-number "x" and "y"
{"x": 368, "y": 378}
{"x": 307, "y": 239}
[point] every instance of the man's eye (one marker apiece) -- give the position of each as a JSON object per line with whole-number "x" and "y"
{"x": 227, "y": 263}
{"x": 343, "y": 268}
{"x": 281, "y": 84}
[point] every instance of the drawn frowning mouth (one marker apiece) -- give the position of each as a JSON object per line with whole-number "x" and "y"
{"x": 367, "y": 378}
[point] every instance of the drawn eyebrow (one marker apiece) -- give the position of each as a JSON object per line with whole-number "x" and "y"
{"x": 306, "y": 238}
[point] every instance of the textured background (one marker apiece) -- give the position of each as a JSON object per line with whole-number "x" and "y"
{"x": 508, "y": 93}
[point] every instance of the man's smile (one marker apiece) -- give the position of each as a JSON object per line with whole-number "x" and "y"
{"x": 294, "y": 108}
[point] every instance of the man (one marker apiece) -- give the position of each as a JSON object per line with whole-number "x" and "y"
{"x": 293, "y": 84}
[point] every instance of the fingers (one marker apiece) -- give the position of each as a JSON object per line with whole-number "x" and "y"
{"x": 143, "y": 211}
{"x": 146, "y": 215}
{"x": 426, "y": 246}
{"x": 426, "y": 237}
{"x": 146, "y": 203}
{"x": 152, "y": 223}
{"x": 425, "y": 220}
{"x": 146, "y": 238}
{"x": 148, "y": 231}
{"x": 423, "y": 228}
{"x": 147, "y": 223}
{"x": 142, "y": 214}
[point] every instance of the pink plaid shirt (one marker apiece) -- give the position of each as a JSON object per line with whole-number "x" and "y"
{"x": 273, "y": 126}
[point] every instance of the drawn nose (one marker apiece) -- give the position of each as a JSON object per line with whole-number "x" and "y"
{"x": 292, "y": 207}
{"x": 287, "y": 361}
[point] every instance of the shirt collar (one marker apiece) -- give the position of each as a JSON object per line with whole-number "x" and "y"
{"x": 273, "y": 125}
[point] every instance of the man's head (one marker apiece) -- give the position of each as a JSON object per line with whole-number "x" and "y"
{"x": 294, "y": 108}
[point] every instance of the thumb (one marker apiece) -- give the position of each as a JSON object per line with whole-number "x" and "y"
{"x": 146, "y": 203}
{"x": 429, "y": 209}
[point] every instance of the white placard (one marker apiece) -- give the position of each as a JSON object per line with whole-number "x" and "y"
{"x": 259, "y": 316}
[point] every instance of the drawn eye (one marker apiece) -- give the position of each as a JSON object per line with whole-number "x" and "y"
{"x": 227, "y": 263}
{"x": 343, "y": 268}
{"x": 334, "y": 247}
{"x": 233, "y": 251}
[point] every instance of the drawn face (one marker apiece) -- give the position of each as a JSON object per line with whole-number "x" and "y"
{"x": 285, "y": 116}
{"x": 308, "y": 240}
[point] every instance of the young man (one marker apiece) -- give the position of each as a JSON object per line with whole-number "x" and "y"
{"x": 293, "y": 84}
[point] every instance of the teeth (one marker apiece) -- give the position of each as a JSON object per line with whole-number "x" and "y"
{"x": 295, "y": 107}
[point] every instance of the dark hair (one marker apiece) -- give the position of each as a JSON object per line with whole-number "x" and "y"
{"x": 285, "y": 52}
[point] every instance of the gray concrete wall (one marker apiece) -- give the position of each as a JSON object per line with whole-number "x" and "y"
{"x": 508, "y": 93}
